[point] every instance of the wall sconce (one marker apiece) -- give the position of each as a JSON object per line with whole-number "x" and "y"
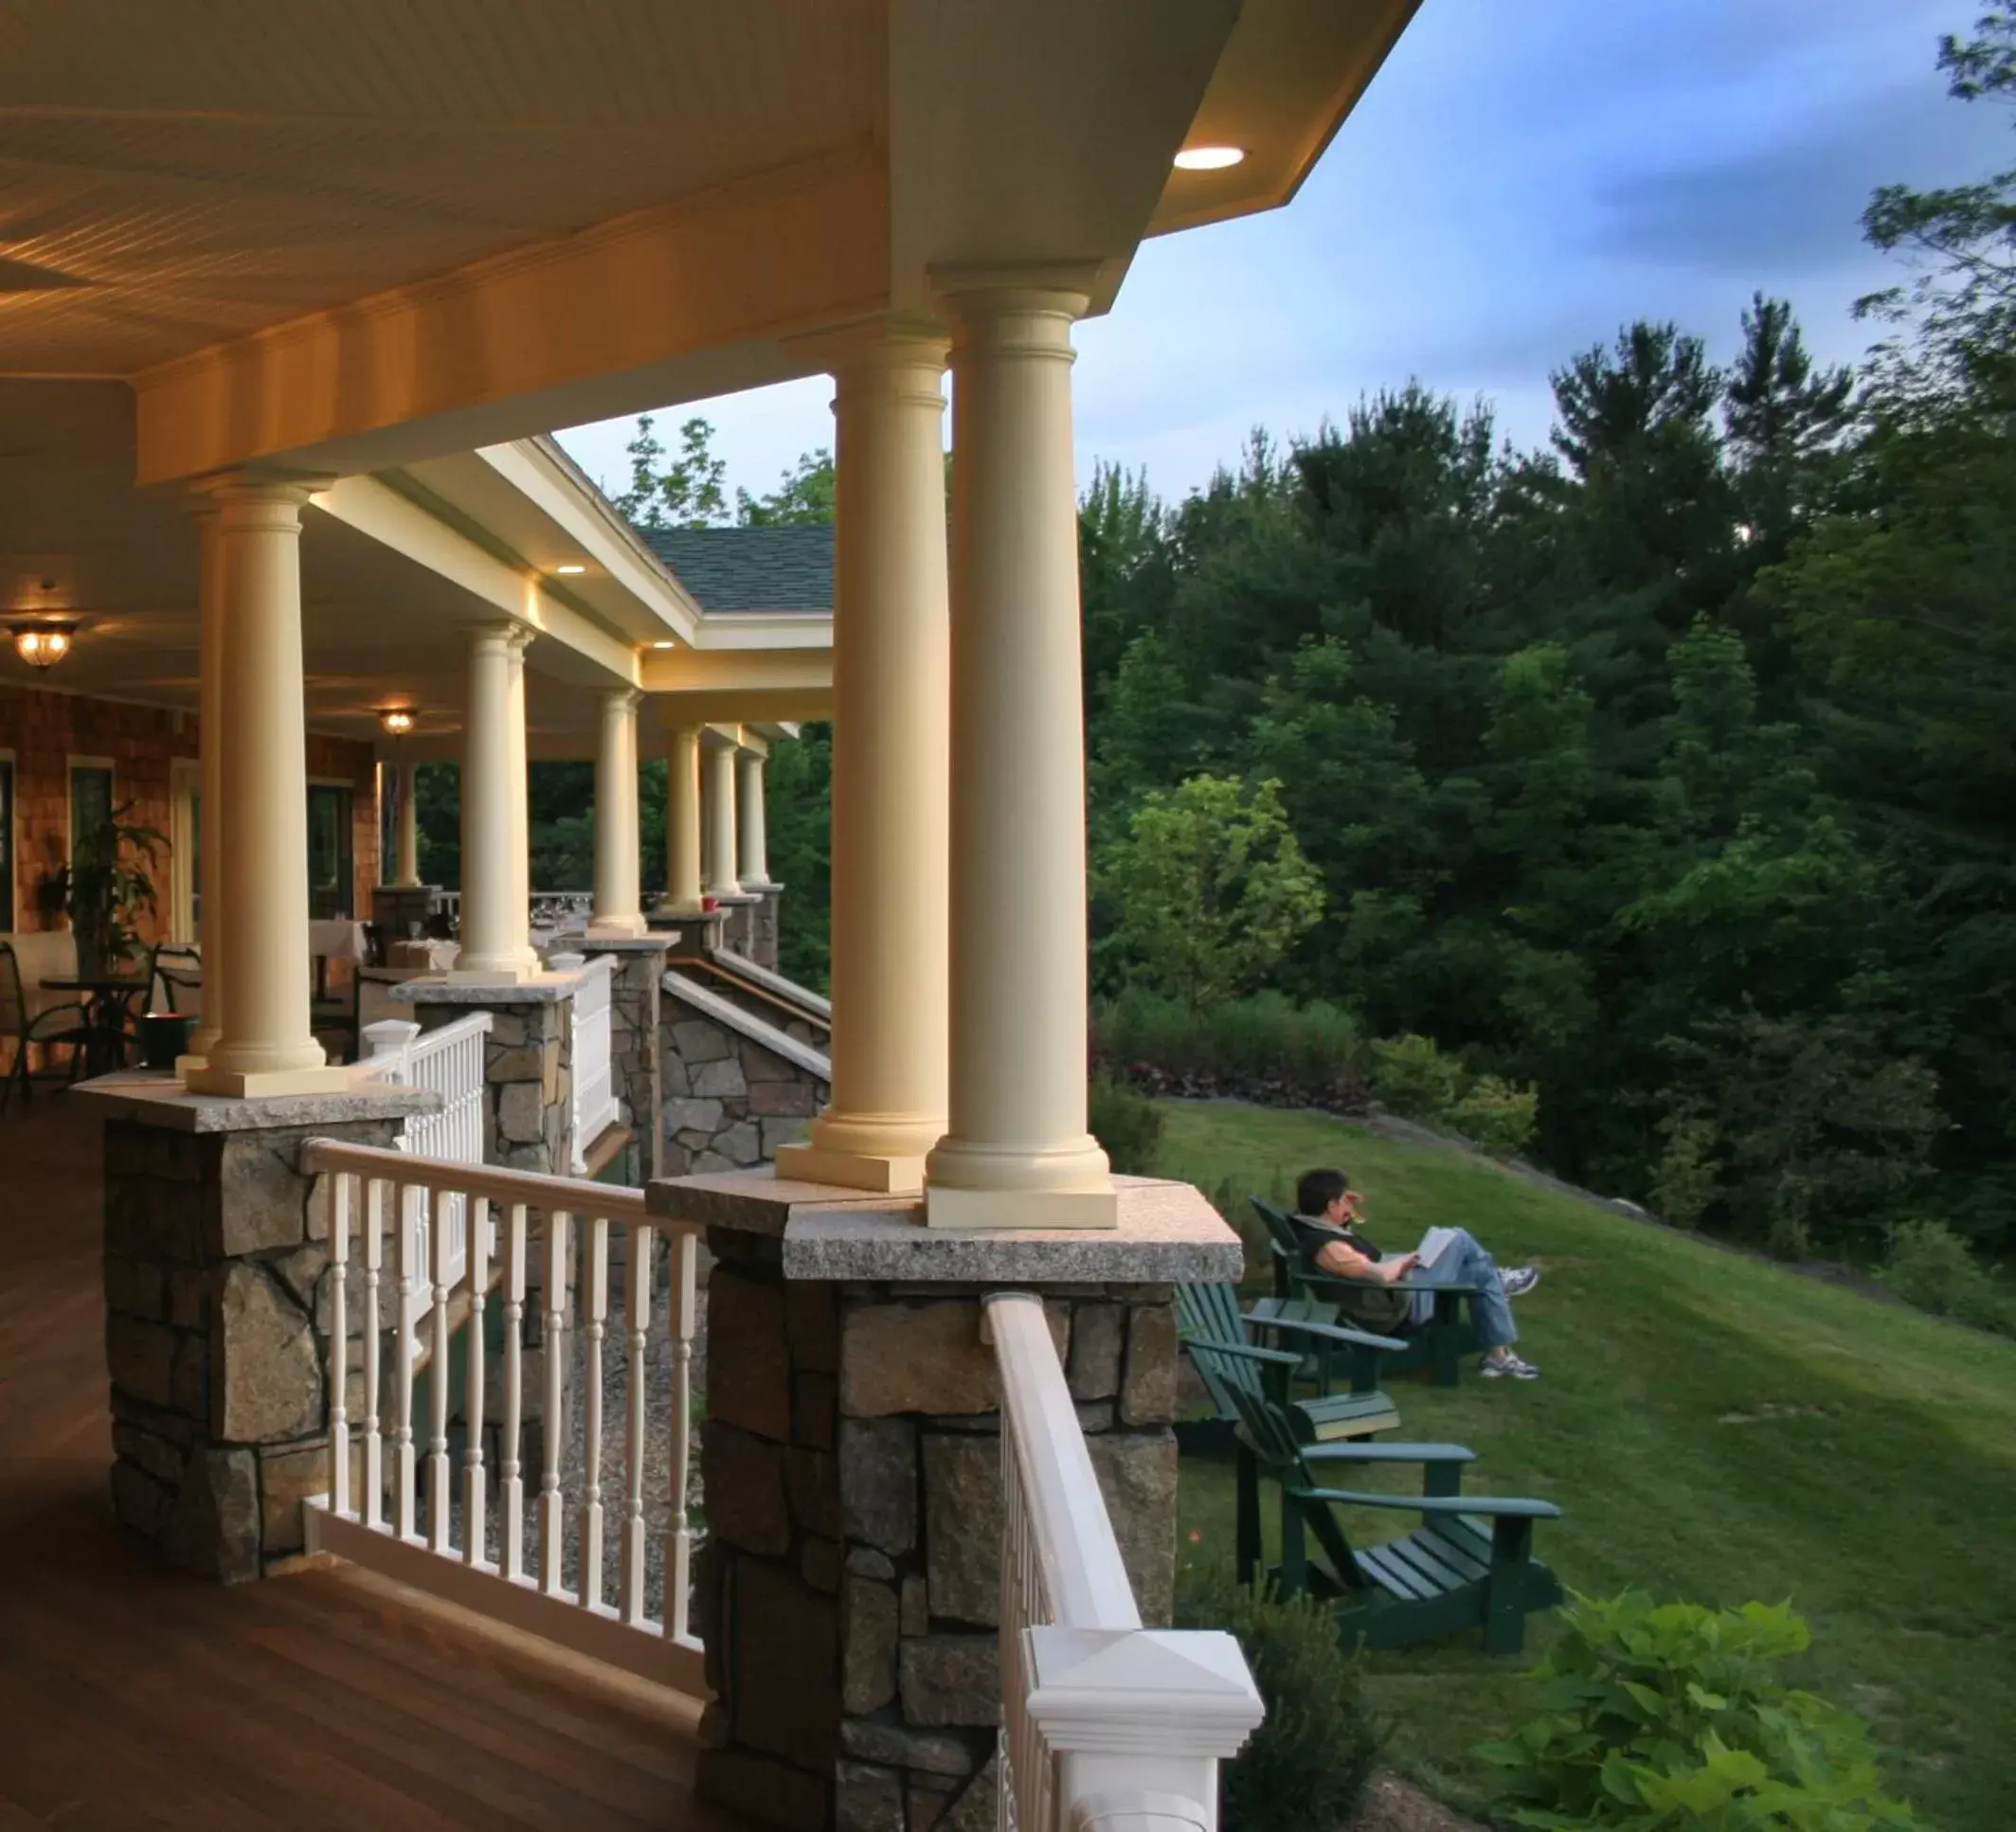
{"x": 43, "y": 645}
{"x": 396, "y": 720}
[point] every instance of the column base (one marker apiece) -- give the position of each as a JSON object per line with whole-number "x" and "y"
{"x": 492, "y": 976}
{"x": 945, "y": 1207}
{"x": 851, "y": 1170}
{"x": 614, "y": 926}
{"x": 261, "y": 1083}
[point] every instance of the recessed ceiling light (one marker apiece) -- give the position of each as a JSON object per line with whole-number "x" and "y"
{"x": 575, "y": 568}
{"x": 1209, "y": 158}
{"x": 664, "y": 645}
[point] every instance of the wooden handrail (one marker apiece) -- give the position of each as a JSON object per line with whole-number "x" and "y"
{"x": 1083, "y": 1572}
{"x": 617, "y": 1202}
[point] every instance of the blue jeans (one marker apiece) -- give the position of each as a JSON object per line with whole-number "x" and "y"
{"x": 1464, "y": 1262}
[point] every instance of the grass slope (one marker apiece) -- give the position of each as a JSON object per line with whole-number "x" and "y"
{"x": 1713, "y": 1429}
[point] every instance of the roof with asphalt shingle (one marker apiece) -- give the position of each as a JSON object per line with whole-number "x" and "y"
{"x": 750, "y": 568}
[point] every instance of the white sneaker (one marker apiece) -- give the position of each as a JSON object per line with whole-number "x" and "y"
{"x": 1521, "y": 1280}
{"x": 1506, "y": 1365}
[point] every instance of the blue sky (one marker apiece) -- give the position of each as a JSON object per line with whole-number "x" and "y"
{"x": 1521, "y": 179}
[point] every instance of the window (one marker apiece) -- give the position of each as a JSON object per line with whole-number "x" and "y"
{"x": 184, "y": 911}
{"x": 332, "y": 874}
{"x": 91, "y": 802}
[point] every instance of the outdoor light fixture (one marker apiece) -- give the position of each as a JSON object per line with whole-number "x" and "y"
{"x": 1209, "y": 158}
{"x": 664, "y": 645}
{"x": 397, "y": 721}
{"x": 573, "y": 567}
{"x": 42, "y": 645}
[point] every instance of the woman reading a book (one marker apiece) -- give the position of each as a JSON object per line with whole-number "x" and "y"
{"x": 1327, "y": 1213}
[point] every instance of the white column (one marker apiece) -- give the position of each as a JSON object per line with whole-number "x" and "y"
{"x": 1018, "y": 1152}
{"x": 495, "y": 927}
{"x": 617, "y": 907}
{"x": 682, "y": 823}
{"x": 718, "y": 762}
{"x": 209, "y": 738}
{"x": 752, "y": 848}
{"x": 520, "y": 800}
{"x": 890, "y": 662}
{"x": 265, "y": 1045}
{"x": 407, "y": 826}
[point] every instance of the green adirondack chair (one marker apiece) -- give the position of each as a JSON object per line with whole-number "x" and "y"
{"x": 1440, "y": 1345}
{"x": 1468, "y": 1565}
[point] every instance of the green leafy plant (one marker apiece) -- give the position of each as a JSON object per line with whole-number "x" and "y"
{"x": 1497, "y": 1114}
{"x": 1305, "y": 1767}
{"x": 1672, "y": 1717}
{"x": 1931, "y": 1266}
{"x": 1129, "y": 1126}
{"x": 1414, "y": 1078}
{"x": 1314, "y": 1049}
{"x": 106, "y": 887}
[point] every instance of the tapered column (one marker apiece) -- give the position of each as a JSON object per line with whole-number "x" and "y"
{"x": 209, "y": 738}
{"x": 1018, "y": 1152}
{"x": 718, "y": 784}
{"x": 495, "y": 927}
{"x": 682, "y": 823}
{"x": 617, "y": 908}
{"x": 406, "y": 875}
{"x": 520, "y": 800}
{"x": 265, "y": 1045}
{"x": 752, "y": 842}
{"x": 890, "y": 662}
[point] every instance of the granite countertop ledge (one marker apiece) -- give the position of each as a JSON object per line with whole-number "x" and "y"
{"x": 1168, "y": 1234}
{"x": 162, "y": 1101}
{"x": 541, "y": 989}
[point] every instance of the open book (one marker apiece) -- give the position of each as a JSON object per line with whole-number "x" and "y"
{"x": 1434, "y": 1244}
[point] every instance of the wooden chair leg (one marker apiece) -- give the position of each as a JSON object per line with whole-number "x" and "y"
{"x": 1504, "y": 1617}
{"x": 1295, "y": 1555}
{"x": 1247, "y": 1520}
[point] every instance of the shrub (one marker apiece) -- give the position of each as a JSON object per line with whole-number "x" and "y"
{"x": 1129, "y": 1126}
{"x": 1931, "y": 1266}
{"x": 1306, "y": 1766}
{"x": 1313, "y": 1048}
{"x": 1414, "y": 1078}
{"x": 1671, "y": 1716}
{"x": 1497, "y": 1114}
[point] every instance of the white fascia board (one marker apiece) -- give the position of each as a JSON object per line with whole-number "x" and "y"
{"x": 765, "y": 630}
{"x": 394, "y": 520}
{"x": 555, "y": 486}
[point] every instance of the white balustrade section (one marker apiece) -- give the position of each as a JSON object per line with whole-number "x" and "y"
{"x": 394, "y": 1504}
{"x": 595, "y": 1105}
{"x": 448, "y": 1061}
{"x": 1104, "y": 1723}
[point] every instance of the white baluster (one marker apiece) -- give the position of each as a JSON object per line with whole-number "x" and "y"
{"x": 474, "y": 1522}
{"x": 598, "y": 1309}
{"x": 511, "y": 1485}
{"x": 440, "y": 1478}
{"x": 638, "y": 1249}
{"x": 411, "y": 1200}
{"x": 551, "y": 1523}
{"x": 678, "y": 1539}
{"x": 342, "y": 1192}
{"x": 373, "y": 1324}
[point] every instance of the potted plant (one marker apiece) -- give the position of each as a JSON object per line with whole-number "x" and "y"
{"x": 105, "y": 887}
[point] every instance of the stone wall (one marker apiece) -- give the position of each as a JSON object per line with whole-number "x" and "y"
{"x": 735, "y": 1088}
{"x": 764, "y": 924}
{"x": 217, "y": 1305}
{"x": 848, "y": 1593}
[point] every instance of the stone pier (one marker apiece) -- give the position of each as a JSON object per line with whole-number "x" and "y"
{"x": 851, "y": 1459}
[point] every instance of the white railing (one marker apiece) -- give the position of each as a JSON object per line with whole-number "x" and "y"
{"x": 448, "y": 1061}
{"x": 1104, "y": 1723}
{"x": 551, "y": 1569}
{"x": 595, "y": 1104}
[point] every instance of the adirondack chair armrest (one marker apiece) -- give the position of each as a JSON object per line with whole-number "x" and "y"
{"x": 1245, "y": 1351}
{"x": 1329, "y": 1332}
{"x": 1335, "y": 1283}
{"x": 1496, "y": 1506}
{"x": 1388, "y": 1453}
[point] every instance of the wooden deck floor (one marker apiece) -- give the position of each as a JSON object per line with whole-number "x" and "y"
{"x": 133, "y": 1696}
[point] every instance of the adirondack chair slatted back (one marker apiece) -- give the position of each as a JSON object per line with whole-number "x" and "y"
{"x": 1211, "y": 1314}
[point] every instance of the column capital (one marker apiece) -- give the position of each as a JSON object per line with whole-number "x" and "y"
{"x": 628, "y": 698}
{"x": 514, "y": 638}
{"x": 881, "y": 348}
{"x": 1046, "y": 298}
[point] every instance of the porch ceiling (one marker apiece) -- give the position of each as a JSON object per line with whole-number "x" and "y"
{"x": 362, "y": 235}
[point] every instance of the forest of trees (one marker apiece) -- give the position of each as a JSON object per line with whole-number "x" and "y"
{"x": 1669, "y": 771}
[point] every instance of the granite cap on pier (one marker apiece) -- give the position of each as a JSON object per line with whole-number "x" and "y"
{"x": 1168, "y": 1234}
{"x": 161, "y": 1100}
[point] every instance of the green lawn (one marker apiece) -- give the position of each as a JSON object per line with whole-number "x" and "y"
{"x": 1713, "y": 1429}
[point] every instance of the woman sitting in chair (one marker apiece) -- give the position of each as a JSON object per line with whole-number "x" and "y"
{"x": 1327, "y": 1213}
